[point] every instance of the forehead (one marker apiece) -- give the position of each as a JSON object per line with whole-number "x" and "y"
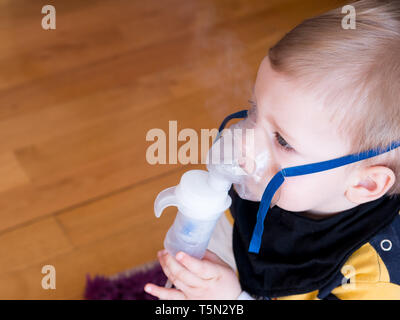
{"x": 299, "y": 112}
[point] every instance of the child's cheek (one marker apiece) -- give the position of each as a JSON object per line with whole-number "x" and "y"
{"x": 299, "y": 193}
{"x": 312, "y": 191}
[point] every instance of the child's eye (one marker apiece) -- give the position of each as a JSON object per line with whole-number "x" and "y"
{"x": 282, "y": 142}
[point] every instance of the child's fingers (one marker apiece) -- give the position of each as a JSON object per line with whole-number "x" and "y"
{"x": 163, "y": 293}
{"x": 211, "y": 256}
{"x": 202, "y": 268}
{"x": 177, "y": 272}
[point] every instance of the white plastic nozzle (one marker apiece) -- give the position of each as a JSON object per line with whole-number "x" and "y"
{"x": 165, "y": 198}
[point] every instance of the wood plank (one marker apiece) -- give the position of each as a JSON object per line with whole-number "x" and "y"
{"x": 32, "y": 244}
{"x": 128, "y": 209}
{"x": 107, "y": 256}
{"x": 108, "y": 32}
{"x": 108, "y": 153}
{"x": 11, "y": 173}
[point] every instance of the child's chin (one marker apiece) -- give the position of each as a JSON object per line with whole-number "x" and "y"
{"x": 292, "y": 206}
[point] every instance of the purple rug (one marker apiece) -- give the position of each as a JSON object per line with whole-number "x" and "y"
{"x": 127, "y": 285}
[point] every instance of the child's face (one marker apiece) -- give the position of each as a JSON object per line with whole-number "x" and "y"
{"x": 306, "y": 135}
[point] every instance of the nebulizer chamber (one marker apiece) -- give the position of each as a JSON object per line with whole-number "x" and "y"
{"x": 201, "y": 197}
{"x": 199, "y": 208}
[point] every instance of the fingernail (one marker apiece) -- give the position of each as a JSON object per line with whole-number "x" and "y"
{"x": 147, "y": 288}
{"x": 179, "y": 256}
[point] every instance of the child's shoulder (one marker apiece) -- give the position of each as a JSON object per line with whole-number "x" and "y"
{"x": 372, "y": 271}
{"x": 387, "y": 247}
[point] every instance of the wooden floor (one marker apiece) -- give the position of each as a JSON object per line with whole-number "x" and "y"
{"x": 76, "y": 103}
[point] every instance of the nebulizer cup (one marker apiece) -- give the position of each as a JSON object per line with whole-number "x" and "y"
{"x": 240, "y": 156}
{"x": 199, "y": 207}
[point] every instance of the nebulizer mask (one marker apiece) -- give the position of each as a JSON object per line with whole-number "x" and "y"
{"x": 241, "y": 155}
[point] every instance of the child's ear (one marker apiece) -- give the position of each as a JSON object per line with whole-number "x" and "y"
{"x": 371, "y": 183}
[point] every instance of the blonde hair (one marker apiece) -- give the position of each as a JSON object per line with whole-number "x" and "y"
{"x": 364, "y": 63}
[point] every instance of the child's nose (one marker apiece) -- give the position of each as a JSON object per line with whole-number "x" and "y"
{"x": 247, "y": 164}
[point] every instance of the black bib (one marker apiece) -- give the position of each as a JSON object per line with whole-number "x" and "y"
{"x": 299, "y": 254}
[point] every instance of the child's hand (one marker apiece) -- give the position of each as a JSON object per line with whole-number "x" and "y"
{"x": 194, "y": 279}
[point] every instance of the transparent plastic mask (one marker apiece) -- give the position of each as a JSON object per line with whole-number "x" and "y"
{"x": 243, "y": 154}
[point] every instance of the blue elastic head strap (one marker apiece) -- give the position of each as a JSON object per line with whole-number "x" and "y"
{"x": 237, "y": 115}
{"x": 279, "y": 178}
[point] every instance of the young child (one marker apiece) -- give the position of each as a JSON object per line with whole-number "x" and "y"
{"x": 323, "y": 92}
